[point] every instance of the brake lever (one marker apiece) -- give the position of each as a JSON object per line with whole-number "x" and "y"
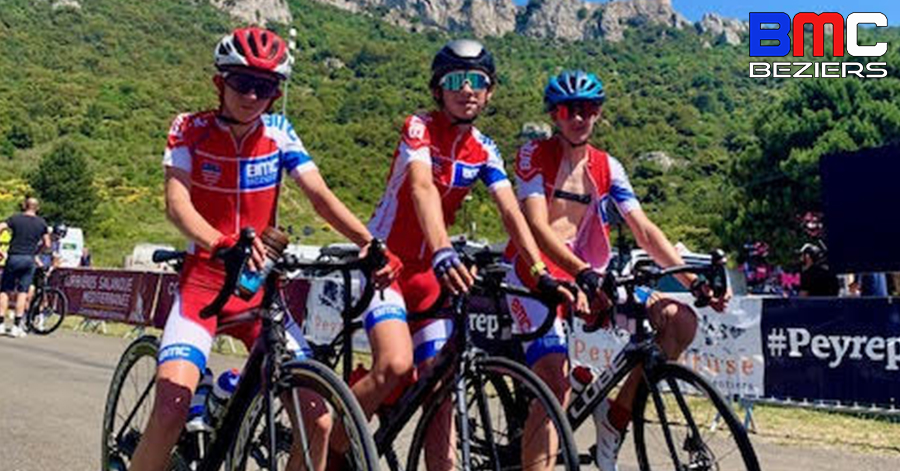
{"x": 235, "y": 260}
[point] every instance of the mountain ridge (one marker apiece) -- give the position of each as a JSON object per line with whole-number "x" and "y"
{"x": 565, "y": 20}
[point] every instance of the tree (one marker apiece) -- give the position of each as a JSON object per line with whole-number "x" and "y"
{"x": 64, "y": 183}
{"x": 777, "y": 178}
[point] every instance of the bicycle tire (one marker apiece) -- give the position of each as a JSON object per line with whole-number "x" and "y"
{"x": 116, "y": 451}
{"x": 510, "y": 381}
{"x": 686, "y": 391}
{"x": 45, "y": 317}
{"x": 250, "y": 447}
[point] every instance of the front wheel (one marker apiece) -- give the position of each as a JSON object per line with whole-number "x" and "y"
{"x": 500, "y": 396}
{"x": 324, "y": 401}
{"x": 129, "y": 403}
{"x": 681, "y": 422}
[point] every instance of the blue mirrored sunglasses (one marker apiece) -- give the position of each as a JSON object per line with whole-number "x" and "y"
{"x": 454, "y": 81}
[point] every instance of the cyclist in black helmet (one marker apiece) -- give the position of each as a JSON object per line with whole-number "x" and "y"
{"x": 439, "y": 158}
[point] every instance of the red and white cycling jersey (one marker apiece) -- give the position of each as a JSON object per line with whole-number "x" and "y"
{"x": 537, "y": 165}
{"x": 232, "y": 185}
{"x": 458, "y": 160}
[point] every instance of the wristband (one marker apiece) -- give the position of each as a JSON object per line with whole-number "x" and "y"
{"x": 538, "y": 268}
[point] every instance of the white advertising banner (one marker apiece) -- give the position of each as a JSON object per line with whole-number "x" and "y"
{"x": 727, "y": 350}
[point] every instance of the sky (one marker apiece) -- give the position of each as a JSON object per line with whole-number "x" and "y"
{"x": 694, "y": 9}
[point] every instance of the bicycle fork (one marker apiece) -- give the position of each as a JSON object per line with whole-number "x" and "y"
{"x": 461, "y": 414}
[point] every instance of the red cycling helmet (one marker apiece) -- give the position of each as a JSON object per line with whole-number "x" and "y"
{"x": 254, "y": 48}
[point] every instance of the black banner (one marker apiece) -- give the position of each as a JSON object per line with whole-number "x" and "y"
{"x": 837, "y": 349}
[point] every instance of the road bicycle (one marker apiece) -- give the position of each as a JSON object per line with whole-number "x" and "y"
{"x": 475, "y": 384}
{"x": 256, "y": 429}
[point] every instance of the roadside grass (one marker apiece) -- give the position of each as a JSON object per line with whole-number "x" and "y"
{"x": 838, "y": 430}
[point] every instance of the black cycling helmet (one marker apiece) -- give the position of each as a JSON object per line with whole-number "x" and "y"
{"x": 60, "y": 230}
{"x": 462, "y": 54}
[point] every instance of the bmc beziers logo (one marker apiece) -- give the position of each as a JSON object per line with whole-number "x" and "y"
{"x": 787, "y": 31}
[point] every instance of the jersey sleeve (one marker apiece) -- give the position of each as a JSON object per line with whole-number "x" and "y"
{"x": 415, "y": 142}
{"x": 529, "y": 178}
{"x": 295, "y": 159}
{"x": 620, "y": 188}
{"x": 493, "y": 172}
{"x": 178, "y": 153}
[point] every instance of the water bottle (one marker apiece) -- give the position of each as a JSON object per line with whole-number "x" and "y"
{"x": 581, "y": 376}
{"x": 250, "y": 281}
{"x": 221, "y": 392}
{"x": 197, "y": 414}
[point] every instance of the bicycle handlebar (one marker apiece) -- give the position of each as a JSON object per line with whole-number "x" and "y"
{"x": 235, "y": 259}
{"x": 165, "y": 255}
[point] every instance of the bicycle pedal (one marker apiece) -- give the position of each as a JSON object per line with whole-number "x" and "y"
{"x": 588, "y": 458}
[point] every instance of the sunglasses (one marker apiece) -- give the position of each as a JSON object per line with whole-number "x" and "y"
{"x": 244, "y": 84}
{"x": 454, "y": 81}
{"x": 585, "y": 109}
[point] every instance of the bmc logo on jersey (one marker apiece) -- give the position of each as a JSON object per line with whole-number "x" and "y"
{"x": 260, "y": 173}
{"x": 790, "y": 40}
{"x": 464, "y": 175}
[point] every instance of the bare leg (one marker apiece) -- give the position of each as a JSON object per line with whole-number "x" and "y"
{"x": 175, "y": 384}
{"x": 539, "y": 444}
{"x": 392, "y": 366}
{"x": 20, "y": 307}
{"x": 676, "y": 325}
{"x": 4, "y": 306}
{"x": 440, "y": 439}
{"x": 317, "y": 422}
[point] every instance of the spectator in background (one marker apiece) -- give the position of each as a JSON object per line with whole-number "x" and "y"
{"x": 50, "y": 257}
{"x": 816, "y": 279}
{"x": 29, "y": 236}
{"x": 85, "y": 258}
{"x": 872, "y": 284}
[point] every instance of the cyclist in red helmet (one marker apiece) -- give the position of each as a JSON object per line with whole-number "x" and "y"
{"x": 223, "y": 173}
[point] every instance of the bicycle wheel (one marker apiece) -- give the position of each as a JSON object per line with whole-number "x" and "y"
{"x": 47, "y": 311}
{"x": 315, "y": 386}
{"x": 499, "y": 395}
{"x": 681, "y": 422}
{"x": 128, "y": 406}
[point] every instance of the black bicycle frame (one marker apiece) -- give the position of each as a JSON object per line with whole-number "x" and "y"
{"x": 641, "y": 350}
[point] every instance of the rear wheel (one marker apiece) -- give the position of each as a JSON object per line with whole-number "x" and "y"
{"x": 47, "y": 311}
{"x": 128, "y": 406}
{"x": 681, "y": 422}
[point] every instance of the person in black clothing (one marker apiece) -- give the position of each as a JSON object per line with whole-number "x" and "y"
{"x": 816, "y": 279}
{"x": 29, "y": 236}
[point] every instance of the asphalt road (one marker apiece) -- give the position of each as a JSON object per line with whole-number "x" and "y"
{"x": 52, "y": 393}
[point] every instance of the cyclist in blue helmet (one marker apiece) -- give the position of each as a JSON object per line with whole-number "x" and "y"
{"x": 567, "y": 188}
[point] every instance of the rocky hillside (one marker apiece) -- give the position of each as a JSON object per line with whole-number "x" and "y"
{"x": 568, "y": 20}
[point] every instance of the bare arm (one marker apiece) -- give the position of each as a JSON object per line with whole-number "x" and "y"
{"x": 518, "y": 228}
{"x": 650, "y": 238}
{"x": 539, "y": 220}
{"x": 181, "y": 212}
{"x": 331, "y": 208}
{"x": 427, "y": 202}
{"x": 4, "y": 226}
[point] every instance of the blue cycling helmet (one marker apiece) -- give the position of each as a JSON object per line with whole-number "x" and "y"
{"x": 573, "y": 85}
